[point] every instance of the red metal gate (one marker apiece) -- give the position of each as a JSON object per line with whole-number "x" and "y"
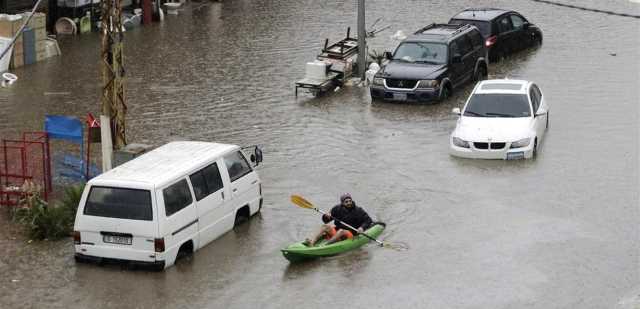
{"x": 24, "y": 160}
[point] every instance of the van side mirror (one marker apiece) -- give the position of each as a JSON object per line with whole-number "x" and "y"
{"x": 256, "y": 156}
{"x": 387, "y": 55}
{"x": 457, "y": 58}
{"x": 526, "y": 25}
{"x": 456, "y": 111}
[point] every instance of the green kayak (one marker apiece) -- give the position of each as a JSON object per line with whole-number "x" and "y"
{"x": 300, "y": 252}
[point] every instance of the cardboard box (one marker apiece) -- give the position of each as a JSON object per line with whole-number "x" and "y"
{"x": 17, "y": 60}
{"x": 41, "y": 55}
{"x": 41, "y": 34}
{"x": 18, "y": 47}
{"x": 9, "y": 27}
{"x": 41, "y": 46}
{"x": 38, "y": 20}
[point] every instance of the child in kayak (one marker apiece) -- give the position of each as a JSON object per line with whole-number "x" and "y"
{"x": 349, "y": 213}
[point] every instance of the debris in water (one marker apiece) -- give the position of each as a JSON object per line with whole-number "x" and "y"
{"x": 336, "y": 90}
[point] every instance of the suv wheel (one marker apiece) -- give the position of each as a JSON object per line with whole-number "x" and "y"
{"x": 481, "y": 73}
{"x": 445, "y": 93}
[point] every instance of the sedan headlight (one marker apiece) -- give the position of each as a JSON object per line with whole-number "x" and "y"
{"x": 460, "y": 142}
{"x": 521, "y": 143}
{"x": 428, "y": 83}
{"x": 379, "y": 81}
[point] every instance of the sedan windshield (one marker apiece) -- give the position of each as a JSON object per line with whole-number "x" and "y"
{"x": 498, "y": 105}
{"x": 425, "y": 52}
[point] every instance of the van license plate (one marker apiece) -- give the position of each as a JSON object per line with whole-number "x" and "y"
{"x": 400, "y": 96}
{"x": 121, "y": 240}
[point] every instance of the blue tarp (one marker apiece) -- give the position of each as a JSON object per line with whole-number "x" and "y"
{"x": 63, "y": 127}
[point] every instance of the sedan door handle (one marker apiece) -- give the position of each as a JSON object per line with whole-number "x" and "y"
{"x": 235, "y": 190}
{"x": 254, "y": 182}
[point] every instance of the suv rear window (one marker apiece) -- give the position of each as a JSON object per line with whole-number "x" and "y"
{"x": 483, "y": 26}
{"x": 120, "y": 203}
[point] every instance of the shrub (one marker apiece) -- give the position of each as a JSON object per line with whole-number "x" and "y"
{"x": 45, "y": 221}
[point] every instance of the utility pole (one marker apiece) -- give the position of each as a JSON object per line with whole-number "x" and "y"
{"x": 362, "y": 41}
{"x": 113, "y": 100}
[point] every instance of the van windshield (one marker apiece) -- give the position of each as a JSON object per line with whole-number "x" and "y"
{"x": 121, "y": 203}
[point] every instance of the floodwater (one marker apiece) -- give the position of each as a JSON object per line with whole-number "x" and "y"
{"x": 560, "y": 231}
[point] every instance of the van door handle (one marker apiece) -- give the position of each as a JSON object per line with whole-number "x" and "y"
{"x": 222, "y": 195}
{"x": 254, "y": 182}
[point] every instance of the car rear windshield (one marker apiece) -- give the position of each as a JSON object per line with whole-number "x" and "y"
{"x": 498, "y": 105}
{"x": 483, "y": 26}
{"x": 424, "y": 52}
{"x": 121, "y": 203}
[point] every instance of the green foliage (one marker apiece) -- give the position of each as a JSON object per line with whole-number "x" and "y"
{"x": 45, "y": 221}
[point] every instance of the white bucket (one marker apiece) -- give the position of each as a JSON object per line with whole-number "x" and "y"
{"x": 4, "y": 62}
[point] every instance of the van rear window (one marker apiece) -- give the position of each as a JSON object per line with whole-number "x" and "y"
{"x": 121, "y": 203}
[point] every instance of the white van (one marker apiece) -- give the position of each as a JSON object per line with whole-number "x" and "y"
{"x": 174, "y": 199}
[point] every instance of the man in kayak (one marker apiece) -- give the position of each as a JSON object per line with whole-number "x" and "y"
{"x": 347, "y": 212}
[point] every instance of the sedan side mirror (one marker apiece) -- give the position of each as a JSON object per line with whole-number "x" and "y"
{"x": 387, "y": 55}
{"x": 457, "y": 58}
{"x": 526, "y": 25}
{"x": 541, "y": 113}
{"x": 456, "y": 111}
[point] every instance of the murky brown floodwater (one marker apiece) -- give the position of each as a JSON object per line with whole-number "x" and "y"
{"x": 560, "y": 231}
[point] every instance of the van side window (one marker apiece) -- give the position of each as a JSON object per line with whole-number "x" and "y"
{"x": 237, "y": 165}
{"x": 206, "y": 181}
{"x": 176, "y": 197}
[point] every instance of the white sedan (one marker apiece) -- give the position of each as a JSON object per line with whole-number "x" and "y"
{"x": 502, "y": 119}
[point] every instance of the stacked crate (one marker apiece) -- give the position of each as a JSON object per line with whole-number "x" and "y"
{"x": 39, "y": 23}
{"x": 8, "y": 28}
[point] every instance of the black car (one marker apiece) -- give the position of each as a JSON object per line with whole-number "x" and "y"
{"x": 431, "y": 63}
{"x": 504, "y": 31}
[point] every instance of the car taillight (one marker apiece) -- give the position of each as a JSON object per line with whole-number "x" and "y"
{"x": 159, "y": 244}
{"x": 76, "y": 238}
{"x": 490, "y": 41}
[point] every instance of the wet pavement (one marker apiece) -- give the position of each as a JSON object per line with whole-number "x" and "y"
{"x": 560, "y": 231}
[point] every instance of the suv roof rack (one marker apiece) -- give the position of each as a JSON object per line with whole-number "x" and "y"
{"x": 457, "y": 28}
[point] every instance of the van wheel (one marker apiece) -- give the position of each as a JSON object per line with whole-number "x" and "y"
{"x": 242, "y": 215}
{"x": 185, "y": 250}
